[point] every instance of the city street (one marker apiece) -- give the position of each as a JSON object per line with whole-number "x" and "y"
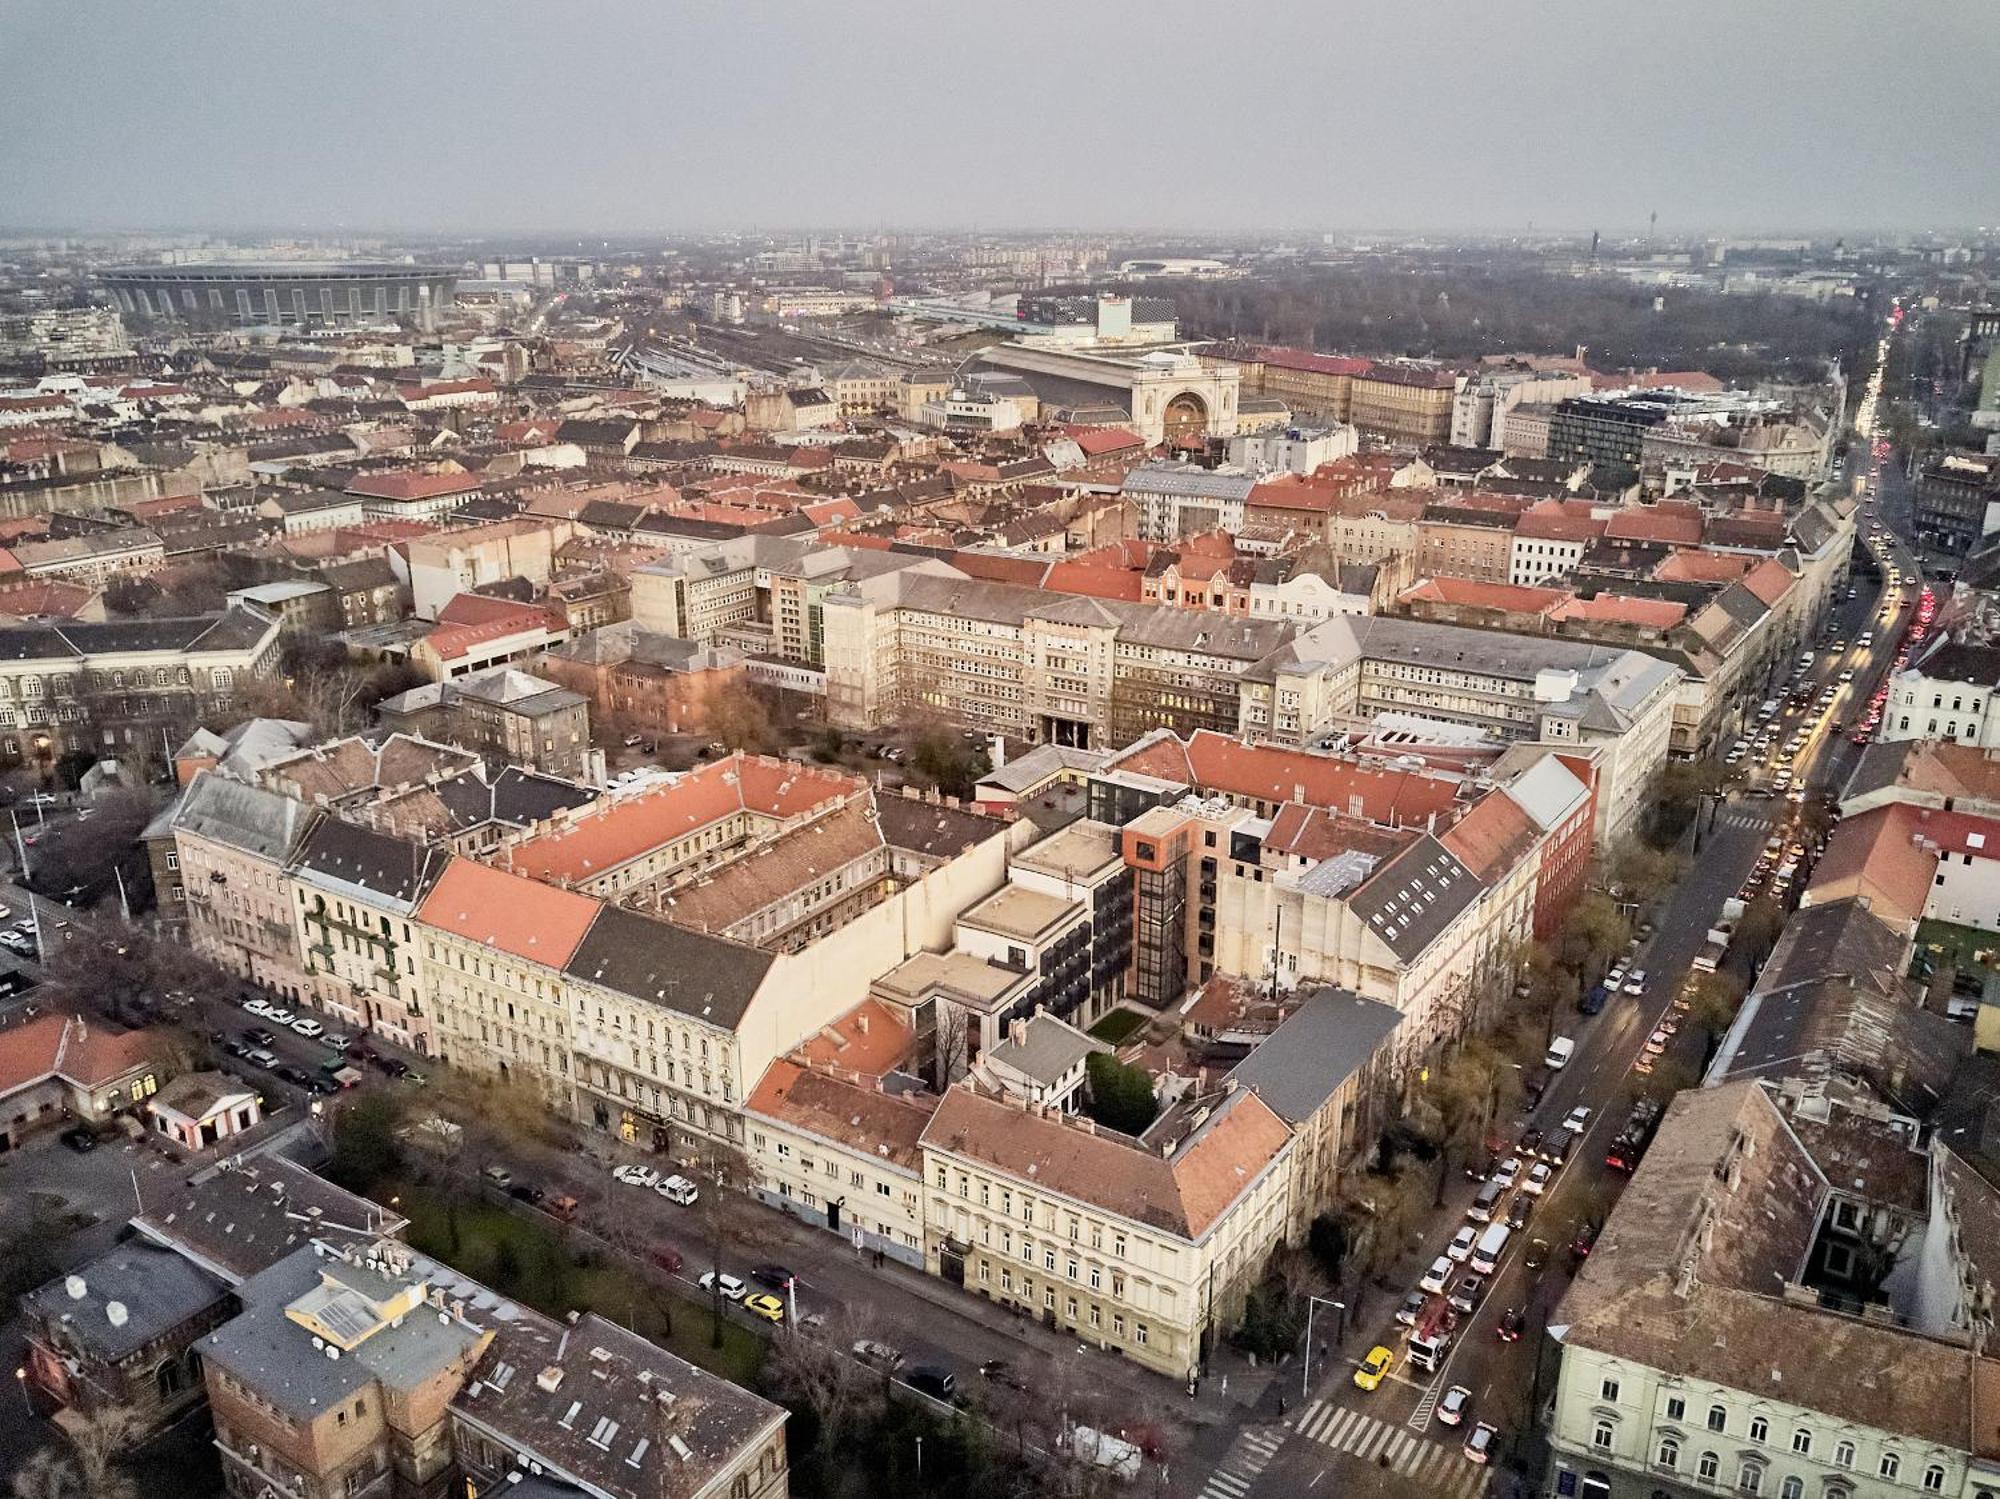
{"x": 1346, "y": 1430}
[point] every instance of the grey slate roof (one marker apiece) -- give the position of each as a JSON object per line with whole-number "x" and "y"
{"x": 375, "y": 865}
{"x": 1049, "y": 1048}
{"x": 707, "y": 978}
{"x": 156, "y": 1289}
{"x": 1189, "y": 483}
{"x": 1314, "y": 1050}
{"x": 241, "y": 816}
{"x": 1413, "y": 897}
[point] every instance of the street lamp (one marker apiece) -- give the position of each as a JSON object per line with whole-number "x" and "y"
{"x": 21, "y": 1379}
{"x": 1313, "y": 1304}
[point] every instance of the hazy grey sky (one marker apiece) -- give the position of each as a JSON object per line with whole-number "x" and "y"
{"x": 1226, "y": 115}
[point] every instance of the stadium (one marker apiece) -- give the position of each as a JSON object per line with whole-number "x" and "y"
{"x": 300, "y": 294}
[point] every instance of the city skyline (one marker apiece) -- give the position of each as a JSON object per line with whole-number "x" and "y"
{"x": 1361, "y": 118}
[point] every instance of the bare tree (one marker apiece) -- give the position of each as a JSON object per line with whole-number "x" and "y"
{"x": 92, "y": 1465}
{"x": 729, "y": 1173}
{"x": 822, "y": 1372}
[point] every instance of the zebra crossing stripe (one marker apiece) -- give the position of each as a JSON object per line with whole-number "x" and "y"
{"x": 1228, "y": 1483}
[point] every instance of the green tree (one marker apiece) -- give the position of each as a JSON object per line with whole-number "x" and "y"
{"x": 1592, "y": 932}
{"x": 1713, "y": 1000}
{"x": 365, "y": 1148}
{"x": 942, "y": 757}
{"x": 1119, "y": 1096}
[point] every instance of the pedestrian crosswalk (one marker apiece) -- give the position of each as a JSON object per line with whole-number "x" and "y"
{"x": 1439, "y": 1466}
{"x": 1744, "y": 818}
{"x": 1249, "y": 1455}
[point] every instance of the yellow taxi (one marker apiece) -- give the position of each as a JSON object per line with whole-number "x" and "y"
{"x": 768, "y": 1307}
{"x": 1375, "y": 1367}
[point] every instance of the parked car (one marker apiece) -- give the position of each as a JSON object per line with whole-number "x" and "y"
{"x": 678, "y": 1189}
{"x": 1438, "y": 1275}
{"x": 732, "y": 1288}
{"x": 878, "y": 1355}
{"x": 1507, "y": 1173}
{"x": 308, "y": 1027}
{"x": 526, "y": 1192}
{"x": 1411, "y": 1312}
{"x": 79, "y": 1139}
{"x": 766, "y": 1306}
{"x": 258, "y": 1036}
{"x": 278, "y": 1015}
{"x": 667, "y": 1258}
{"x": 636, "y": 1176}
{"x": 1451, "y": 1410}
{"x": 1461, "y": 1243}
{"x": 1519, "y": 1211}
{"x": 933, "y": 1380}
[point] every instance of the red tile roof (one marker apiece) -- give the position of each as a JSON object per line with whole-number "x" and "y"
{"x": 1492, "y": 838}
{"x": 613, "y": 832}
{"x": 1293, "y": 493}
{"x": 1308, "y": 362}
{"x": 1468, "y": 593}
{"x": 1876, "y": 854}
{"x": 410, "y": 486}
{"x": 1097, "y": 441}
{"x": 1271, "y": 773}
{"x": 82, "y": 1052}
{"x": 1095, "y": 582}
{"x": 1690, "y": 565}
{"x": 1770, "y": 580}
{"x": 1622, "y": 609}
{"x": 508, "y": 911}
{"x": 1667, "y": 521}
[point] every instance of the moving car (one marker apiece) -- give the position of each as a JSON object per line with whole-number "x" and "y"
{"x": 1511, "y": 1323}
{"x": 777, "y": 1277}
{"x": 1539, "y": 1176}
{"x": 1479, "y": 1446}
{"x": 1412, "y": 1309}
{"x": 1577, "y": 1118}
{"x": 1468, "y": 1293}
{"x": 1375, "y": 1368}
{"x": 1452, "y": 1408}
{"x": 1462, "y": 1242}
{"x": 1435, "y": 1278}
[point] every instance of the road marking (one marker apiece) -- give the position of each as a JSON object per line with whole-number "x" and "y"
{"x": 1248, "y": 1456}
{"x": 1367, "y": 1439}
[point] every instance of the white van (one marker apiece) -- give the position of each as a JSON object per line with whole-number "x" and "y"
{"x": 1560, "y": 1051}
{"x": 1492, "y": 1244}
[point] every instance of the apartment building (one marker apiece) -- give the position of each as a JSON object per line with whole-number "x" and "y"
{"x": 1733, "y": 1330}
{"x": 493, "y": 946}
{"x": 1952, "y": 693}
{"x": 506, "y": 714}
{"x": 1406, "y": 403}
{"x": 1510, "y": 688}
{"x": 1953, "y": 497}
{"x": 1321, "y": 385}
{"x": 115, "y": 687}
{"x": 1146, "y": 1247}
{"x": 232, "y": 844}
{"x": 1071, "y": 671}
{"x": 843, "y": 1151}
{"x": 355, "y": 893}
{"x": 1468, "y": 539}
{"x": 1174, "y": 501}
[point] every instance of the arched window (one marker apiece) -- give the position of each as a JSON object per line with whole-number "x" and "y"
{"x": 1760, "y": 1429}
{"x": 1707, "y": 1466}
{"x": 1934, "y": 1479}
{"x": 1670, "y": 1452}
{"x": 1794, "y": 1487}
{"x": 1802, "y": 1441}
{"x": 1601, "y": 1437}
{"x": 1891, "y": 1465}
{"x": 1843, "y": 1454}
{"x": 1750, "y": 1478}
